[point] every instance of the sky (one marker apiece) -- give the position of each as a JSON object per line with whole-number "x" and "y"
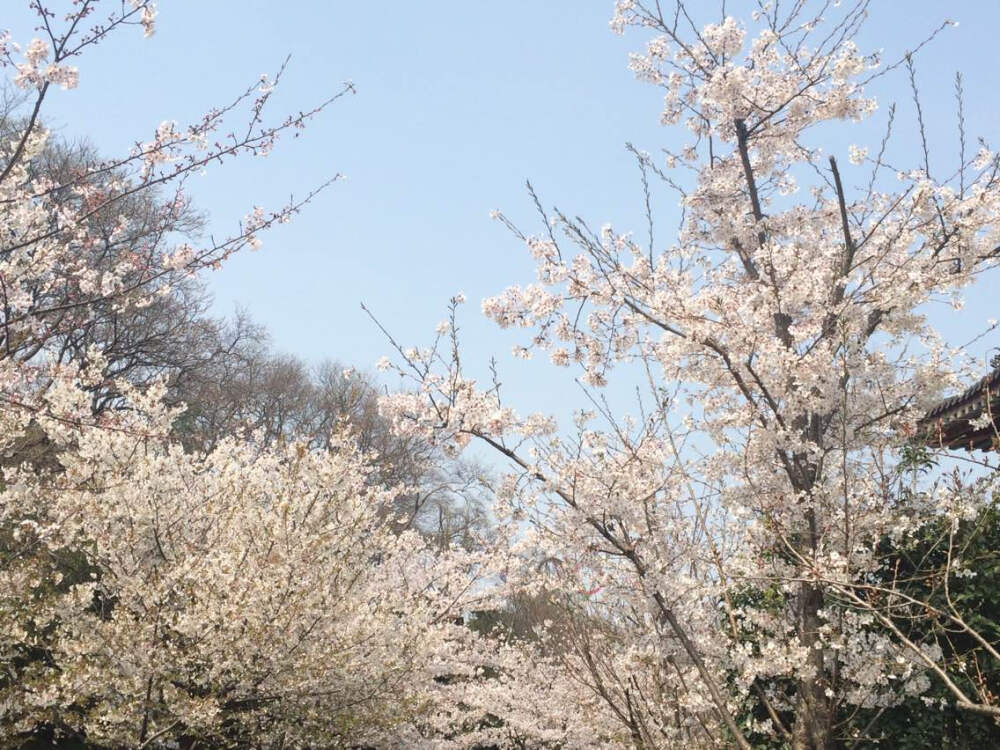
{"x": 457, "y": 104}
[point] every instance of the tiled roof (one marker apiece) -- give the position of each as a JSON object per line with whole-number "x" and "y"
{"x": 948, "y": 423}
{"x": 991, "y": 382}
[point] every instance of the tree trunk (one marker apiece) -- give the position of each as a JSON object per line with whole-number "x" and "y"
{"x": 814, "y": 711}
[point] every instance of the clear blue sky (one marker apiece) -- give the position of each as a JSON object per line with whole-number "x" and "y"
{"x": 458, "y": 103}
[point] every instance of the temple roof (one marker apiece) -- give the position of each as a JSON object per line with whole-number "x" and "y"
{"x": 947, "y": 425}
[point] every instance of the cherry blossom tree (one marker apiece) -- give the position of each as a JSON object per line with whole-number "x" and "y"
{"x": 720, "y": 547}
{"x": 102, "y": 235}
{"x": 254, "y": 592}
{"x": 247, "y": 596}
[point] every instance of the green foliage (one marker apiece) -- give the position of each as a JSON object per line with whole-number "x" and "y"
{"x": 918, "y": 566}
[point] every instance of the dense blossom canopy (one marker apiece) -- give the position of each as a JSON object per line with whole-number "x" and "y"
{"x": 719, "y": 568}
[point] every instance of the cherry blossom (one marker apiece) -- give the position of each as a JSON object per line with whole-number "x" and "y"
{"x": 729, "y": 529}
